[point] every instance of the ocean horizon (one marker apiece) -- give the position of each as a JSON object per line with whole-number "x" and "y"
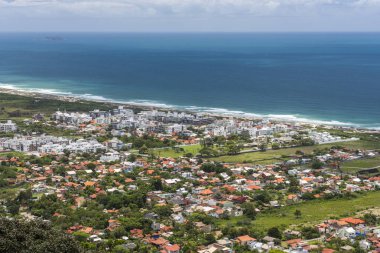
{"x": 330, "y": 78}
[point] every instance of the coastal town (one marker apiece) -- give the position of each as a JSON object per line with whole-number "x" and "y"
{"x": 154, "y": 180}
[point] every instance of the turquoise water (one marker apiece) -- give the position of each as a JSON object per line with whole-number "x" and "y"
{"x": 316, "y": 76}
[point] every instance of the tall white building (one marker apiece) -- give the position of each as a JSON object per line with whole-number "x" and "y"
{"x": 8, "y": 126}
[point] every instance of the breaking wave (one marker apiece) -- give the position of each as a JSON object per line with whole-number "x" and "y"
{"x": 207, "y": 110}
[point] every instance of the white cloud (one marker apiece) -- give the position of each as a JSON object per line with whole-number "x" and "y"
{"x": 182, "y": 7}
{"x": 190, "y": 14}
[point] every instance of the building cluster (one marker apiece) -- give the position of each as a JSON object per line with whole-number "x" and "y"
{"x": 8, "y": 126}
{"x": 253, "y": 129}
{"x": 46, "y": 144}
{"x": 195, "y": 189}
{"x": 175, "y": 191}
{"x": 142, "y": 122}
{"x": 326, "y": 137}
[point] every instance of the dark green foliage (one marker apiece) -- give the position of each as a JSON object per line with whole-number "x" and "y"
{"x": 13, "y": 207}
{"x": 298, "y": 214}
{"x": 132, "y": 158}
{"x": 316, "y": 164}
{"x": 163, "y": 211}
{"x": 91, "y": 166}
{"x": 308, "y": 196}
{"x": 92, "y": 216}
{"x": 275, "y": 232}
{"x": 46, "y": 206}
{"x": 34, "y": 236}
{"x": 210, "y": 238}
{"x": 307, "y": 142}
{"x": 233, "y": 148}
{"x": 310, "y": 233}
{"x": 263, "y": 198}
{"x": 5, "y": 174}
{"x": 249, "y": 210}
{"x": 117, "y": 200}
{"x": 213, "y": 167}
{"x": 157, "y": 184}
{"x": 207, "y": 152}
{"x": 27, "y": 106}
{"x": 370, "y": 219}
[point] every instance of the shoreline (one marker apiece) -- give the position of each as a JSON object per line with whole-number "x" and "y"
{"x": 146, "y": 105}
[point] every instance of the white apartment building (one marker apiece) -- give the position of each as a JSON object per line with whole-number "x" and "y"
{"x": 8, "y": 126}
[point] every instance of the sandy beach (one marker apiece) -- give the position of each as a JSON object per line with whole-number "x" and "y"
{"x": 133, "y": 105}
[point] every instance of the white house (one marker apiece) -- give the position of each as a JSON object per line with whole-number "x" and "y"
{"x": 8, "y": 126}
{"x": 110, "y": 157}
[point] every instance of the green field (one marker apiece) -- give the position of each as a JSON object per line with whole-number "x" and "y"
{"x": 174, "y": 153}
{"x": 355, "y": 165}
{"x": 12, "y": 154}
{"x": 276, "y": 155}
{"x": 313, "y": 212}
{"x": 16, "y": 107}
{"x": 11, "y": 192}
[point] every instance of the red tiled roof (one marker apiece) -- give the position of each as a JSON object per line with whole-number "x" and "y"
{"x": 206, "y": 192}
{"x": 354, "y": 221}
{"x": 245, "y": 238}
{"x": 174, "y": 247}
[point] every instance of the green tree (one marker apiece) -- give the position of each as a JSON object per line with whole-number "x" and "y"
{"x": 370, "y": 219}
{"x": 310, "y": 233}
{"x": 297, "y": 214}
{"x": 91, "y": 166}
{"x": 263, "y": 197}
{"x": 316, "y": 164}
{"x": 249, "y": 210}
{"x": 132, "y": 158}
{"x": 210, "y": 238}
{"x": 157, "y": 184}
{"x": 81, "y": 236}
{"x": 143, "y": 149}
{"x": 274, "y": 232}
{"x": 233, "y": 148}
{"x": 263, "y": 146}
{"x": 13, "y": 207}
{"x": 34, "y": 237}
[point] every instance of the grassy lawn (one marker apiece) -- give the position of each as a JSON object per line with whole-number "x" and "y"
{"x": 355, "y": 165}
{"x": 12, "y": 154}
{"x": 258, "y": 157}
{"x": 312, "y": 212}
{"x": 170, "y": 152}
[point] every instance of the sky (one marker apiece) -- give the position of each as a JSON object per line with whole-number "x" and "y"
{"x": 190, "y": 15}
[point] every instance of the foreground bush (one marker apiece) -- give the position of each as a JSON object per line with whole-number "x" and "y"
{"x": 34, "y": 236}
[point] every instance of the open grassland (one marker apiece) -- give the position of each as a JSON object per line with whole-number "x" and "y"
{"x": 175, "y": 152}
{"x": 277, "y": 155}
{"x": 19, "y": 107}
{"x": 356, "y": 165}
{"x": 312, "y": 212}
{"x": 12, "y": 154}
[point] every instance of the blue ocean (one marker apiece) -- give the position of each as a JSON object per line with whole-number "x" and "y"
{"x": 331, "y": 77}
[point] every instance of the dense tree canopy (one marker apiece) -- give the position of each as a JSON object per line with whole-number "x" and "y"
{"x": 34, "y": 236}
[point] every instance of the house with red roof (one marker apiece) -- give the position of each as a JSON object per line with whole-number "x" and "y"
{"x": 175, "y": 248}
{"x": 245, "y": 239}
